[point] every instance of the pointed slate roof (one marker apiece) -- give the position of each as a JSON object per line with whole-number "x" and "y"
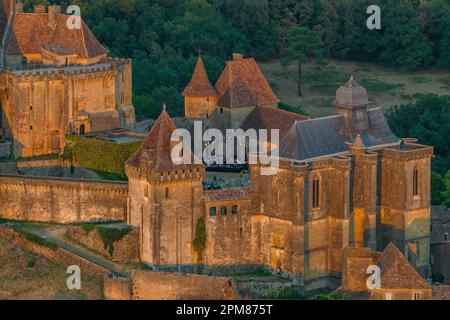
{"x": 397, "y": 272}
{"x": 272, "y": 118}
{"x": 351, "y": 95}
{"x": 32, "y": 32}
{"x": 242, "y": 84}
{"x": 199, "y": 86}
{"x": 156, "y": 148}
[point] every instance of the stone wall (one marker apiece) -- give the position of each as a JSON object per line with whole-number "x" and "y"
{"x": 116, "y": 288}
{"x": 125, "y": 250}
{"x": 57, "y": 255}
{"x": 61, "y": 200}
{"x": 46, "y": 168}
{"x": 147, "y": 285}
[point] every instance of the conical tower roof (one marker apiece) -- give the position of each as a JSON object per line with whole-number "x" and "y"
{"x": 155, "y": 151}
{"x": 199, "y": 86}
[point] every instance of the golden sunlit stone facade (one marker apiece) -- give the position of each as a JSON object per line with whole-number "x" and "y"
{"x": 358, "y": 186}
{"x": 51, "y": 88}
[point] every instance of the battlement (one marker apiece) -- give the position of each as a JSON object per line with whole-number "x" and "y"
{"x": 408, "y": 150}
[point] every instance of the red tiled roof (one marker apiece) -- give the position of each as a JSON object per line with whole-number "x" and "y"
{"x": 199, "y": 86}
{"x": 156, "y": 148}
{"x": 242, "y": 84}
{"x": 31, "y": 32}
{"x": 227, "y": 194}
{"x": 272, "y": 118}
{"x": 397, "y": 272}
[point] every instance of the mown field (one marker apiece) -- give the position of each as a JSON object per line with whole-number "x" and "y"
{"x": 386, "y": 86}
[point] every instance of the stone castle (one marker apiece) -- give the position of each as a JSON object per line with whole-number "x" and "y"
{"x": 345, "y": 182}
{"x": 56, "y": 80}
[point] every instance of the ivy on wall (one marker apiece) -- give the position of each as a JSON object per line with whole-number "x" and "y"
{"x": 199, "y": 242}
{"x": 104, "y": 157}
{"x": 111, "y": 235}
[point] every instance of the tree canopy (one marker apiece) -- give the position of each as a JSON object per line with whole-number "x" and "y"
{"x": 163, "y": 36}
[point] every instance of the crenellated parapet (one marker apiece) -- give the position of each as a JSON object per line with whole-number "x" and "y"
{"x": 59, "y": 200}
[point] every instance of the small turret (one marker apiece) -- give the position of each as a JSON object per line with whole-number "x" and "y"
{"x": 200, "y": 96}
{"x": 351, "y": 102}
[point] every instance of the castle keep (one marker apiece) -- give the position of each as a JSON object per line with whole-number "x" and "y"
{"x": 56, "y": 80}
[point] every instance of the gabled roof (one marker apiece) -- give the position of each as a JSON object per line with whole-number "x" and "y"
{"x": 351, "y": 95}
{"x": 327, "y": 136}
{"x": 272, "y": 118}
{"x": 32, "y": 32}
{"x": 199, "y": 86}
{"x": 156, "y": 148}
{"x": 397, "y": 272}
{"x": 242, "y": 84}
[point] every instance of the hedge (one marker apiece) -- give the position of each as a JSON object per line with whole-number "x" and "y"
{"x": 105, "y": 157}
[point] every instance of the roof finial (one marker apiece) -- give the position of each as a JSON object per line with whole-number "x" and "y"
{"x": 199, "y": 52}
{"x": 164, "y": 107}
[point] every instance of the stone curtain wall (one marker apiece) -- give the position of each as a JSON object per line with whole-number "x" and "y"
{"x": 147, "y": 285}
{"x": 61, "y": 200}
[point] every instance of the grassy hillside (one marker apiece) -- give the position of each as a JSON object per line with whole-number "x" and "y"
{"x": 24, "y": 276}
{"x": 386, "y": 86}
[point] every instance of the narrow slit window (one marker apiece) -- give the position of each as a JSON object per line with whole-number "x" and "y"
{"x": 416, "y": 182}
{"x": 316, "y": 192}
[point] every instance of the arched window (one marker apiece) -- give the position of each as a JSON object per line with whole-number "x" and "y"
{"x": 316, "y": 192}
{"x": 416, "y": 182}
{"x": 82, "y": 129}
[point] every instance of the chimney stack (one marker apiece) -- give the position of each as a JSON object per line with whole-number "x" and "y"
{"x": 237, "y": 56}
{"x": 19, "y": 7}
{"x": 53, "y": 13}
{"x": 39, "y": 8}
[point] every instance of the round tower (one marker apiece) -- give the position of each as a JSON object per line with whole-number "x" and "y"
{"x": 200, "y": 96}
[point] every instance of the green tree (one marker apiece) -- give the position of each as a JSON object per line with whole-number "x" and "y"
{"x": 303, "y": 45}
{"x": 437, "y": 188}
{"x": 403, "y": 41}
{"x": 327, "y": 26}
{"x": 446, "y": 194}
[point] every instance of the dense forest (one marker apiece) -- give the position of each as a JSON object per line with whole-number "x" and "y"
{"x": 163, "y": 36}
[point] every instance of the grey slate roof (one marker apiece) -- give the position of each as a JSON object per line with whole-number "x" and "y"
{"x": 324, "y": 136}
